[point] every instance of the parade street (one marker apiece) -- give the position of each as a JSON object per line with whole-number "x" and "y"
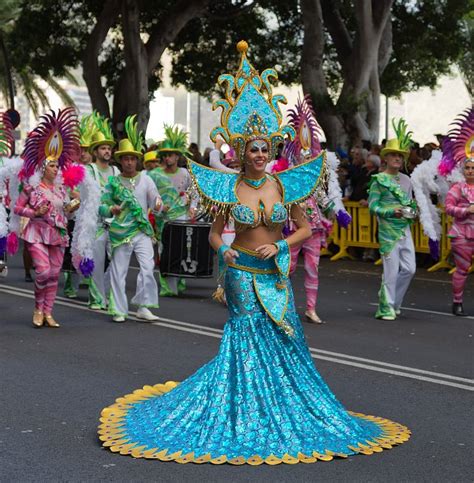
{"x": 417, "y": 370}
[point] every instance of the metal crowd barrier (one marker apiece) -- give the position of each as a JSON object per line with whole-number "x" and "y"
{"x": 362, "y": 232}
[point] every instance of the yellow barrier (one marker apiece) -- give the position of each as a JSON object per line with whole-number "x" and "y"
{"x": 362, "y": 232}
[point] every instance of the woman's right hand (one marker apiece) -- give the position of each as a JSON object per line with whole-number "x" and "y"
{"x": 230, "y": 255}
{"x": 41, "y": 210}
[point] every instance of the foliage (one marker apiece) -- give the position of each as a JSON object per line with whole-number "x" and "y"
{"x": 427, "y": 41}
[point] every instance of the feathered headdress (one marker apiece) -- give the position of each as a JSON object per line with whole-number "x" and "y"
{"x": 134, "y": 143}
{"x": 56, "y": 138}
{"x": 249, "y": 109}
{"x": 176, "y": 141}
{"x": 307, "y": 129}
{"x": 103, "y": 134}
{"x": 400, "y": 144}
{"x": 6, "y": 135}
{"x": 458, "y": 145}
{"x": 87, "y": 129}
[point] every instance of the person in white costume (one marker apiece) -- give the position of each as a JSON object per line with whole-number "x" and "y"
{"x": 101, "y": 169}
{"x": 128, "y": 198}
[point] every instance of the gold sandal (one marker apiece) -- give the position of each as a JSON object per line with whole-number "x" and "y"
{"x": 50, "y": 322}
{"x": 312, "y": 316}
{"x": 38, "y": 319}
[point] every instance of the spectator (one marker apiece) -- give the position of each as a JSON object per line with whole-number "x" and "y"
{"x": 196, "y": 155}
{"x": 205, "y": 156}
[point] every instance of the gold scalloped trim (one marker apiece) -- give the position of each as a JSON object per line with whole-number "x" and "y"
{"x": 112, "y": 434}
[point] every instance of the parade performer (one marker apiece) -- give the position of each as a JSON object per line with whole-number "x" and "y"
{"x": 101, "y": 169}
{"x": 49, "y": 149}
{"x": 87, "y": 129}
{"x": 260, "y": 400}
{"x": 304, "y": 147}
{"x": 127, "y": 198}
{"x": 458, "y": 151}
{"x": 170, "y": 149}
{"x": 7, "y": 143}
{"x": 391, "y": 200}
{"x": 151, "y": 160}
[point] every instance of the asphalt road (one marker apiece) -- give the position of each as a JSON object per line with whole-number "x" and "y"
{"x": 417, "y": 370}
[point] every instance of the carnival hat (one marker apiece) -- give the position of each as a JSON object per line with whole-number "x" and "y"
{"x": 133, "y": 144}
{"x": 103, "y": 135}
{"x": 393, "y": 146}
{"x": 176, "y": 141}
{"x": 150, "y": 156}
{"x": 400, "y": 144}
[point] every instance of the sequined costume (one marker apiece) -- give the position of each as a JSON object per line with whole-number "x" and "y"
{"x": 260, "y": 400}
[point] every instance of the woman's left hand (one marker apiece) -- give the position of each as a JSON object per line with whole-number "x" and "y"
{"x": 267, "y": 251}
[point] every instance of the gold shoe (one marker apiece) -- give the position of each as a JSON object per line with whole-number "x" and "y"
{"x": 38, "y": 318}
{"x": 50, "y": 322}
{"x": 312, "y": 316}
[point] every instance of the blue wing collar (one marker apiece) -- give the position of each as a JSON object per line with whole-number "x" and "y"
{"x": 216, "y": 188}
{"x": 300, "y": 182}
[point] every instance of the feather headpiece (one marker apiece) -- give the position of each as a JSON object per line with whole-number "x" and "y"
{"x": 103, "y": 134}
{"x": 56, "y": 138}
{"x": 87, "y": 129}
{"x": 134, "y": 143}
{"x": 249, "y": 109}
{"x": 306, "y": 141}
{"x": 176, "y": 141}
{"x": 458, "y": 145}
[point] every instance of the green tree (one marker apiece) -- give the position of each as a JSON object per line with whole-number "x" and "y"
{"x": 17, "y": 76}
{"x": 344, "y": 53}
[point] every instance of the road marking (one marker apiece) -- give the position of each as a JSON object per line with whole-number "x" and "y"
{"x": 429, "y": 312}
{"x": 338, "y": 358}
{"x": 378, "y": 274}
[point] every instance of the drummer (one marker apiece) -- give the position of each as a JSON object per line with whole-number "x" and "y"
{"x": 170, "y": 149}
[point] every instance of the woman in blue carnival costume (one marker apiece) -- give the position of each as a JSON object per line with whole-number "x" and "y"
{"x": 260, "y": 400}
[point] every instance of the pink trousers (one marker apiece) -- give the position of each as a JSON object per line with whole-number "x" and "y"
{"x": 463, "y": 251}
{"x": 311, "y": 252}
{"x": 47, "y": 260}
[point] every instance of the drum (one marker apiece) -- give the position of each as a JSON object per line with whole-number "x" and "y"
{"x": 186, "y": 250}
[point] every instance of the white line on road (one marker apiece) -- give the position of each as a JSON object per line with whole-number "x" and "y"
{"x": 430, "y": 312}
{"x": 366, "y": 272}
{"x": 338, "y": 358}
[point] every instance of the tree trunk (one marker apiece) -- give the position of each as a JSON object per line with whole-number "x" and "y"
{"x": 356, "y": 114}
{"x": 312, "y": 73}
{"x": 131, "y": 94}
{"x": 90, "y": 60}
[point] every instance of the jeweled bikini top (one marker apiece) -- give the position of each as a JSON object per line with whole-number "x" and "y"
{"x": 218, "y": 191}
{"x": 245, "y": 217}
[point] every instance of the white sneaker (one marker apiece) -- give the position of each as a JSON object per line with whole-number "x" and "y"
{"x": 118, "y": 318}
{"x": 144, "y": 314}
{"x": 398, "y": 311}
{"x": 388, "y": 317}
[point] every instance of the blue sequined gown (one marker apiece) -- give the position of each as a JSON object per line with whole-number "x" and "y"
{"x": 260, "y": 400}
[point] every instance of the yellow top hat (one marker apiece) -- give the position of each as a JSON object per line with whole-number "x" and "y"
{"x": 150, "y": 156}
{"x": 393, "y": 146}
{"x": 99, "y": 139}
{"x": 126, "y": 147}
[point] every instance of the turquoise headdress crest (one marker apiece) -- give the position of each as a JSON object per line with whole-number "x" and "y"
{"x": 249, "y": 109}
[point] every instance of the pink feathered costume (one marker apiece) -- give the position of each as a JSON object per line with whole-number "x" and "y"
{"x": 45, "y": 237}
{"x": 311, "y": 248}
{"x": 458, "y": 200}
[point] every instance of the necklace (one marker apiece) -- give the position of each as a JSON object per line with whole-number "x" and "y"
{"x": 131, "y": 181}
{"x": 255, "y": 183}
